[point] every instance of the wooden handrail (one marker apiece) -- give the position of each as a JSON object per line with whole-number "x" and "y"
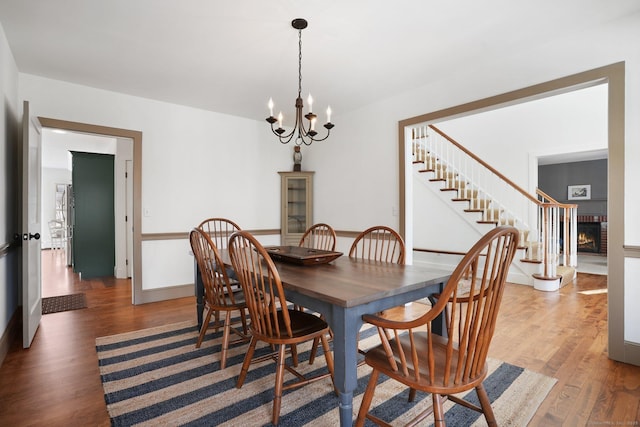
{"x": 552, "y": 200}
{"x": 486, "y": 165}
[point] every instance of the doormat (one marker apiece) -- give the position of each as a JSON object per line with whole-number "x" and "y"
{"x": 63, "y": 303}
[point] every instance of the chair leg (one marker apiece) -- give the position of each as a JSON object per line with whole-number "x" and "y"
{"x": 217, "y": 321}
{"x": 329, "y": 359}
{"x": 367, "y": 398}
{"x": 225, "y": 339}
{"x": 247, "y": 362}
{"x": 486, "y": 406}
{"x": 314, "y": 347}
{"x": 203, "y": 328}
{"x": 412, "y": 395}
{"x": 277, "y": 395}
{"x": 314, "y": 350}
{"x": 438, "y": 411}
{"x": 294, "y": 355}
{"x": 243, "y": 318}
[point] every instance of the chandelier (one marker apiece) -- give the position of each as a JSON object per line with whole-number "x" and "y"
{"x": 303, "y": 134}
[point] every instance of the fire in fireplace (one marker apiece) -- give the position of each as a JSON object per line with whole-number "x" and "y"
{"x": 589, "y": 237}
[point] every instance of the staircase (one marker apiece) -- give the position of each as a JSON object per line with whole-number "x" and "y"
{"x": 489, "y": 199}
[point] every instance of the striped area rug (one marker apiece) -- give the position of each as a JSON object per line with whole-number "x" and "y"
{"x": 157, "y": 377}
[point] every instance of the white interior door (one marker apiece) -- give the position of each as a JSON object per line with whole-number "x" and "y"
{"x": 31, "y": 261}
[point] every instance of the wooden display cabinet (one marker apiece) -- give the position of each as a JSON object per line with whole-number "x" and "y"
{"x": 296, "y": 207}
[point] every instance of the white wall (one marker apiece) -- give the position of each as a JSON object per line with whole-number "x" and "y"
{"x": 9, "y": 222}
{"x": 195, "y": 164}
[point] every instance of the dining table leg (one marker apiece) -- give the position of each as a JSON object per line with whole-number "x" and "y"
{"x": 345, "y": 325}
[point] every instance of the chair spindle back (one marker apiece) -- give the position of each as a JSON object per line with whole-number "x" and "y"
{"x": 219, "y": 229}
{"x": 379, "y": 243}
{"x": 261, "y": 285}
{"x": 217, "y": 286}
{"x": 319, "y": 236}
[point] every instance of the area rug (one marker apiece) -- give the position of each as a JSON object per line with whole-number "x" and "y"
{"x": 63, "y": 303}
{"x": 157, "y": 377}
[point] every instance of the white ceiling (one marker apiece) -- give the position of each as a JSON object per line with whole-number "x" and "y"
{"x": 231, "y": 56}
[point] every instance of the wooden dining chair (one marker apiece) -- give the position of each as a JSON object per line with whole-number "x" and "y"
{"x": 219, "y": 229}
{"x": 445, "y": 365}
{"x": 319, "y": 236}
{"x": 379, "y": 243}
{"x": 219, "y": 296}
{"x": 272, "y": 321}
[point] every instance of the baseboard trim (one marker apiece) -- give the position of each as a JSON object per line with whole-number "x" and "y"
{"x": 13, "y": 330}
{"x": 632, "y": 353}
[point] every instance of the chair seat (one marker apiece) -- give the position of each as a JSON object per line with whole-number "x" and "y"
{"x": 303, "y": 327}
{"x": 303, "y": 323}
{"x": 238, "y": 297}
{"x": 377, "y": 358}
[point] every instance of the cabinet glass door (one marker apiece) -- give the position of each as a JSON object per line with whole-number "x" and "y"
{"x": 297, "y": 221}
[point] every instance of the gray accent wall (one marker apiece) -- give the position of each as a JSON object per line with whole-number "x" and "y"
{"x": 555, "y": 179}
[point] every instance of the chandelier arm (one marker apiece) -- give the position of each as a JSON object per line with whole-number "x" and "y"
{"x": 322, "y": 139}
{"x": 283, "y": 138}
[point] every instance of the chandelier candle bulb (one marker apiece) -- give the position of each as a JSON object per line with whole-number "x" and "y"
{"x": 280, "y": 119}
{"x": 328, "y": 114}
{"x": 310, "y": 101}
{"x": 270, "y": 107}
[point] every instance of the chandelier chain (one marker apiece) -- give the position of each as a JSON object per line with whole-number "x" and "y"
{"x": 299, "y": 63}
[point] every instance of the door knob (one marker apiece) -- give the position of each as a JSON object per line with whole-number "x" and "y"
{"x": 30, "y": 236}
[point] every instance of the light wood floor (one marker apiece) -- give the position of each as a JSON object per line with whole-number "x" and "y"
{"x": 561, "y": 334}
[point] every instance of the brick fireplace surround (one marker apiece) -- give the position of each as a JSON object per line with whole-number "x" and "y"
{"x": 602, "y": 220}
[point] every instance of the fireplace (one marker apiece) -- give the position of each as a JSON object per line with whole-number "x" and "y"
{"x": 589, "y": 237}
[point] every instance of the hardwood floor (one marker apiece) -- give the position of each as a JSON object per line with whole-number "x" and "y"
{"x": 561, "y": 334}
{"x": 56, "y": 382}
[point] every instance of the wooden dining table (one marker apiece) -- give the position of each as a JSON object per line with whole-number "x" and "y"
{"x": 344, "y": 290}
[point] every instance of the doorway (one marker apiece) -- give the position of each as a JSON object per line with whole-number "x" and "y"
{"x": 127, "y": 210}
{"x": 614, "y": 76}
{"x": 555, "y": 142}
{"x": 57, "y": 170}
